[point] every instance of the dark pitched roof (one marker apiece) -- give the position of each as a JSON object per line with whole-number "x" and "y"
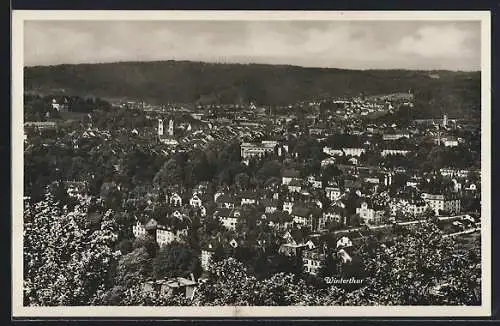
{"x": 297, "y": 183}
{"x": 290, "y": 173}
{"x": 301, "y": 211}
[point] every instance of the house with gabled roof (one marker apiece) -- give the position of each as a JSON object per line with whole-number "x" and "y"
{"x": 229, "y": 217}
{"x": 333, "y": 192}
{"x": 175, "y": 200}
{"x": 166, "y": 235}
{"x": 226, "y": 201}
{"x": 370, "y": 212}
{"x": 270, "y": 205}
{"x": 313, "y": 260}
{"x": 302, "y": 216}
{"x": 195, "y": 201}
{"x": 249, "y": 198}
{"x": 332, "y": 214}
{"x": 288, "y": 175}
{"x": 296, "y": 185}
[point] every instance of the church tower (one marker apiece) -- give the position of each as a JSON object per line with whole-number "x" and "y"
{"x": 445, "y": 120}
{"x": 160, "y": 127}
{"x": 171, "y": 128}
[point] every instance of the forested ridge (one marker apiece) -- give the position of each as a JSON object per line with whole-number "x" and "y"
{"x": 456, "y": 93}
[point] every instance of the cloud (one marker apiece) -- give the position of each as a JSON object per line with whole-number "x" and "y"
{"x": 433, "y": 41}
{"x": 339, "y": 44}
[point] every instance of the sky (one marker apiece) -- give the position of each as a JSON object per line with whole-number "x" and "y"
{"x": 422, "y": 45}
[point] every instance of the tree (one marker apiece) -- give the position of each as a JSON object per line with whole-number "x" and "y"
{"x": 133, "y": 268}
{"x": 111, "y": 195}
{"x": 175, "y": 259}
{"x": 171, "y": 173}
{"x": 148, "y": 242}
{"x": 64, "y": 262}
{"x": 231, "y": 284}
{"x": 269, "y": 169}
{"x": 242, "y": 180}
{"x": 354, "y": 220}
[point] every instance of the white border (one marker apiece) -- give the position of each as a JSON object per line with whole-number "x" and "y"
{"x": 18, "y": 310}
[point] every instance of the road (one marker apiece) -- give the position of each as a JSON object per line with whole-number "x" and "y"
{"x": 440, "y": 218}
{"x": 462, "y": 232}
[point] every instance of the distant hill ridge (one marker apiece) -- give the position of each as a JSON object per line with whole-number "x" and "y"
{"x": 456, "y": 93}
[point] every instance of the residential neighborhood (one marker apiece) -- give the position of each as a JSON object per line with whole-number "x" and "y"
{"x": 280, "y": 190}
{"x": 229, "y": 162}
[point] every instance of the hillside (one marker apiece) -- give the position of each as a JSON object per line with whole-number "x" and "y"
{"x": 457, "y": 93}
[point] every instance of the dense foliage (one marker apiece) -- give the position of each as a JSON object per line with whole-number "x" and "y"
{"x": 66, "y": 260}
{"x": 70, "y": 260}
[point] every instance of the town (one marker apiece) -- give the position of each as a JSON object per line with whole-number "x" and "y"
{"x": 300, "y": 188}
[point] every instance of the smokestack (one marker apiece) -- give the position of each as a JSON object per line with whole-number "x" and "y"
{"x": 192, "y": 277}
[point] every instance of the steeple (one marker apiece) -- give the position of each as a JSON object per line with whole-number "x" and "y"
{"x": 171, "y": 128}
{"x": 160, "y": 127}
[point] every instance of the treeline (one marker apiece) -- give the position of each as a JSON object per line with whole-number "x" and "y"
{"x": 457, "y": 93}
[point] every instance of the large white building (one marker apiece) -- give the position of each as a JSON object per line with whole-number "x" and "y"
{"x": 395, "y": 136}
{"x": 441, "y": 202}
{"x": 354, "y": 151}
{"x": 386, "y": 152}
{"x": 369, "y": 215}
{"x": 249, "y": 150}
{"x": 165, "y": 235}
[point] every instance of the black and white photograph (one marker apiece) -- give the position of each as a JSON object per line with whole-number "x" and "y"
{"x": 251, "y": 163}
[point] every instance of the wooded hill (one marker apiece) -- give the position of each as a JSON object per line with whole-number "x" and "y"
{"x": 436, "y": 92}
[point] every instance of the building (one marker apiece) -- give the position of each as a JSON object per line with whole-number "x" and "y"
{"x": 353, "y": 151}
{"x": 165, "y": 235}
{"x": 449, "y": 172}
{"x": 333, "y": 192}
{"x": 288, "y": 175}
{"x": 169, "y": 138}
{"x": 332, "y": 152}
{"x": 302, "y": 216}
{"x": 175, "y": 200}
{"x": 318, "y": 184}
{"x": 270, "y": 206}
{"x": 331, "y": 214}
{"x": 395, "y": 136}
{"x": 249, "y": 198}
{"x": 171, "y": 287}
{"x": 442, "y": 202}
{"x": 313, "y": 260}
{"x": 292, "y": 249}
{"x": 225, "y": 201}
{"x": 370, "y": 214}
{"x": 450, "y": 142}
{"x": 41, "y": 125}
{"x": 296, "y": 185}
{"x": 195, "y": 201}
{"x": 206, "y": 256}
{"x": 249, "y": 150}
{"x": 411, "y": 207}
{"x": 328, "y": 161}
{"x": 139, "y": 230}
{"x": 387, "y": 152}
{"x": 229, "y": 218}
{"x": 288, "y": 206}
{"x": 171, "y": 128}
